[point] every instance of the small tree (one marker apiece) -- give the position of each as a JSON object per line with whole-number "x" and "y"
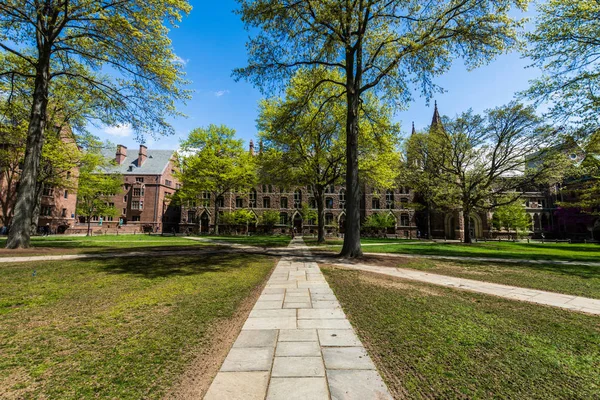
{"x": 512, "y": 216}
{"x": 96, "y": 189}
{"x": 379, "y": 222}
{"x": 245, "y": 217}
{"x": 216, "y": 162}
{"x": 269, "y": 219}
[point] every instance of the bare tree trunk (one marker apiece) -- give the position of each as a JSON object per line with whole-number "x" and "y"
{"x": 89, "y": 225}
{"x": 19, "y": 235}
{"x": 467, "y": 225}
{"x": 319, "y": 197}
{"x": 429, "y": 220}
{"x": 216, "y": 230}
{"x": 35, "y": 216}
{"x": 351, "y": 248}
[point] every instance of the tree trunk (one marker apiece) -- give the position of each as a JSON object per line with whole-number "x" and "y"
{"x": 351, "y": 248}
{"x": 319, "y": 197}
{"x": 19, "y": 235}
{"x": 216, "y": 216}
{"x": 89, "y": 225}
{"x": 35, "y": 216}
{"x": 467, "y": 225}
{"x": 429, "y": 220}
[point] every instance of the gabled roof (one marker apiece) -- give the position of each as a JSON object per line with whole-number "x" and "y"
{"x": 155, "y": 163}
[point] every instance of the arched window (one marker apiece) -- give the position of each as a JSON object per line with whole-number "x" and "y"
{"x": 328, "y": 202}
{"x": 342, "y": 198}
{"x": 298, "y": 198}
{"x": 252, "y": 199}
{"x": 389, "y": 199}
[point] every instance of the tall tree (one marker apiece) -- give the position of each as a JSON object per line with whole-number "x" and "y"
{"x": 492, "y": 155}
{"x": 69, "y": 43}
{"x": 565, "y": 44}
{"x": 216, "y": 162}
{"x": 304, "y": 141}
{"x": 385, "y": 46}
{"x": 97, "y": 188}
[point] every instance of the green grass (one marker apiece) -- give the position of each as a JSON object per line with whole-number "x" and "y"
{"x": 367, "y": 241}
{"x": 93, "y": 244}
{"x": 568, "y": 279}
{"x": 435, "y": 342}
{"x": 260, "y": 241}
{"x": 530, "y": 251}
{"x": 120, "y": 328}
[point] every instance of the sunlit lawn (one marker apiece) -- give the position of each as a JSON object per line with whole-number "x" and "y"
{"x": 432, "y": 342}
{"x": 254, "y": 240}
{"x": 115, "y": 328}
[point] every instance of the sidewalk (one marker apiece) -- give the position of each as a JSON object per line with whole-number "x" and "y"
{"x": 297, "y": 344}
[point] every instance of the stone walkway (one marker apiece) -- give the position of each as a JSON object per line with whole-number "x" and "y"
{"x": 297, "y": 344}
{"x": 575, "y": 303}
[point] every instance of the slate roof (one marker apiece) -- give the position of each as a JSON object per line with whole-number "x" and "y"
{"x": 155, "y": 163}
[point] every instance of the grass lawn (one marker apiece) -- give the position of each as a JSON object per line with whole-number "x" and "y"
{"x": 58, "y": 244}
{"x": 568, "y": 279}
{"x": 435, "y": 342}
{"x": 367, "y": 241}
{"x": 530, "y": 251}
{"x": 119, "y": 329}
{"x": 260, "y": 241}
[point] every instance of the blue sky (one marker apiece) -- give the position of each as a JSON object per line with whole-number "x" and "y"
{"x": 211, "y": 43}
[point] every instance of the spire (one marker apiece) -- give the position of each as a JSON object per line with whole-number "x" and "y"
{"x": 413, "y": 129}
{"x": 436, "y": 120}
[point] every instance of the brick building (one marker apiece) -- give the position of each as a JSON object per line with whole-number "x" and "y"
{"x": 148, "y": 182}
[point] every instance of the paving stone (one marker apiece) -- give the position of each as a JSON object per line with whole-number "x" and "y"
{"x": 248, "y": 359}
{"x": 268, "y": 305}
{"x": 305, "y": 304}
{"x": 272, "y": 313}
{"x": 257, "y": 338}
{"x": 357, "y": 385}
{"x": 271, "y": 323}
{"x": 298, "y": 349}
{"x": 346, "y": 358}
{"x": 324, "y": 324}
{"x": 326, "y": 304}
{"x": 298, "y": 389}
{"x": 271, "y": 297}
{"x": 298, "y": 367}
{"x": 322, "y": 313}
{"x": 298, "y": 335}
{"x": 273, "y": 291}
{"x": 338, "y": 337}
{"x": 238, "y": 386}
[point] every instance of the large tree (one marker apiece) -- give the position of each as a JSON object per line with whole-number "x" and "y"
{"x": 565, "y": 44}
{"x": 114, "y": 52}
{"x": 304, "y": 140}
{"x": 386, "y": 46}
{"x": 490, "y": 159}
{"x": 214, "y": 161}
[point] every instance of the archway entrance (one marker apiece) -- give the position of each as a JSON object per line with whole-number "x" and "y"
{"x": 298, "y": 223}
{"x": 204, "y": 222}
{"x": 342, "y": 224}
{"x": 450, "y": 225}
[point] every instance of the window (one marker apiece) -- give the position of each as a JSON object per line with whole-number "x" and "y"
{"x": 267, "y": 188}
{"x": 389, "y": 199}
{"x": 298, "y": 198}
{"x": 329, "y": 189}
{"x": 283, "y": 218}
{"x": 283, "y": 203}
{"x": 137, "y": 192}
{"x": 542, "y": 203}
{"x": 111, "y": 204}
{"x": 375, "y": 191}
{"x": 124, "y": 211}
{"x": 266, "y": 202}
{"x": 48, "y": 191}
{"x": 205, "y": 198}
{"x": 135, "y": 205}
{"x": 63, "y": 213}
{"x": 220, "y": 201}
{"x": 239, "y": 202}
{"x": 191, "y": 217}
{"x": 404, "y": 220}
{"x": 66, "y": 194}
{"x": 342, "y": 198}
{"x": 141, "y": 205}
{"x": 168, "y": 183}
{"x": 110, "y": 219}
{"x": 135, "y": 218}
{"x": 178, "y": 186}
{"x": 46, "y": 211}
{"x": 124, "y": 199}
{"x": 270, "y": 188}
{"x": 375, "y": 204}
{"x": 252, "y": 199}
{"x": 139, "y": 179}
{"x": 328, "y": 202}
{"x": 68, "y": 174}
{"x": 404, "y": 203}
{"x": 329, "y": 219}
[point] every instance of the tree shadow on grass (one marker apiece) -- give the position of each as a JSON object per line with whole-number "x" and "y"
{"x": 157, "y": 266}
{"x": 581, "y": 271}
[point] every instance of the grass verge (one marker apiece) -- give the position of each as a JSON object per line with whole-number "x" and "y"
{"x": 577, "y": 280}
{"x": 434, "y": 342}
{"x": 120, "y": 328}
{"x": 259, "y": 241}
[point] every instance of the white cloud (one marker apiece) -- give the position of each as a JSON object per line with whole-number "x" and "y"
{"x": 179, "y": 60}
{"x": 119, "y": 130}
{"x": 221, "y": 93}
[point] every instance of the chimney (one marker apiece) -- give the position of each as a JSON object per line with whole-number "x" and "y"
{"x": 143, "y": 154}
{"x": 121, "y": 154}
{"x": 251, "y": 147}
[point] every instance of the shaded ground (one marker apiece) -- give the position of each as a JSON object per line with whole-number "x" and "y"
{"x": 119, "y": 328}
{"x": 568, "y": 279}
{"x": 259, "y": 241}
{"x": 434, "y": 342}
